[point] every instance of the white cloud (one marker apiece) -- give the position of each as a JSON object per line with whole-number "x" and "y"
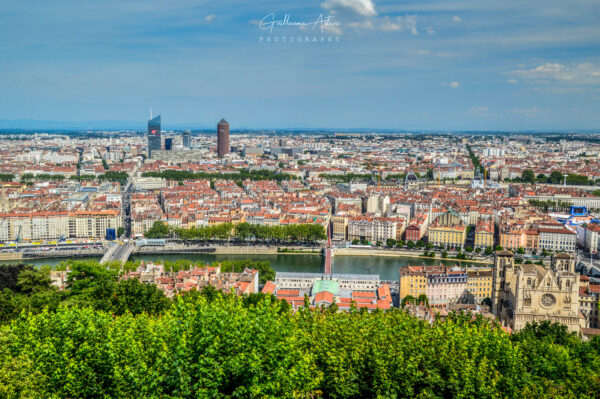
{"x": 210, "y": 18}
{"x": 366, "y": 24}
{"x": 454, "y": 84}
{"x": 408, "y": 22}
{"x": 584, "y": 73}
{"x": 430, "y": 30}
{"x": 334, "y": 30}
{"x": 423, "y": 52}
{"x": 513, "y": 81}
{"x": 456, "y": 19}
{"x": 360, "y": 7}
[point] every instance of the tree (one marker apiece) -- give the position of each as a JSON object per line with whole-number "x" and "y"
{"x": 499, "y": 248}
{"x": 355, "y": 241}
{"x": 390, "y": 242}
{"x": 408, "y": 299}
{"x": 120, "y": 231}
{"x": 159, "y": 229}
{"x": 422, "y": 299}
{"x": 528, "y": 176}
{"x": 488, "y": 251}
{"x": 520, "y": 250}
{"x": 136, "y": 297}
{"x": 89, "y": 284}
{"x": 478, "y": 250}
{"x": 556, "y": 177}
{"x": 445, "y": 254}
{"x": 410, "y": 244}
{"x": 487, "y": 302}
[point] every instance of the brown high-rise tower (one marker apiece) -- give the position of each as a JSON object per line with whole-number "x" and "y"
{"x": 223, "y": 138}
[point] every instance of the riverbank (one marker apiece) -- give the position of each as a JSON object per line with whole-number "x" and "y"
{"x": 404, "y": 254}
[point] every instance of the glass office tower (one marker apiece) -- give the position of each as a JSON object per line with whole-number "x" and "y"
{"x": 154, "y": 140}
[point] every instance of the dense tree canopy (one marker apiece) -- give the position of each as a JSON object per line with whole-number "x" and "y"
{"x": 221, "y": 346}
{"x": 130, "y": 342}
{"x": 242, "y": 231}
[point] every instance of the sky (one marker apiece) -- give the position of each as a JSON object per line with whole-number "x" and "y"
{"x": 414, "y": 65}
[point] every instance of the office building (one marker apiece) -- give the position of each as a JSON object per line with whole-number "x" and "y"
{"x": 154, "y": 139}
{"x": 187, "y": 139}
{"x": 223, "y": 138}
{"x": 168, "y": 144}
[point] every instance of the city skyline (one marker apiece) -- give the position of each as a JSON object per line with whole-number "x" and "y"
{"x": 449, "y": 66}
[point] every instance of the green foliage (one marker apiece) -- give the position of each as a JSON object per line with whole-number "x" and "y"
{"x": 347, "y": 177}
{"x": 211, "y": 344}
{"x": 7, "y": 177}
{"x": 474, "y": 159}
{"x": 265, "y": 271}
{"x": 528, "y": 176}
{"x": 245, "y": 231}
{"x": 238, "y": 177}
{"x": 27, "y": 177}
{"x": 82, "y": 177}
{"x": 120, "y": 177}
{"x": 555, "y": 177}
{"x": 159, "y": 229}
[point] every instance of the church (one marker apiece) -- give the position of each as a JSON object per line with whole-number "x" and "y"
{"x": 526, "y": 293}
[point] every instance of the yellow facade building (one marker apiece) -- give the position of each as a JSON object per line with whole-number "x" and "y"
{"x": 484, "y": 233}
{"x": 479, "y": 283}
{"x": 447, "y": 230}
{"x": 413, "y": 281}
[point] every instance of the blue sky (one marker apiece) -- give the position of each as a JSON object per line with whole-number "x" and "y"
{"x": 415, "y": 65}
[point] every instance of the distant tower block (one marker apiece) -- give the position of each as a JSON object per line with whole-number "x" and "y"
{"x": 154, "y": 139}
{"x": 187, "y": 139}
{"x": 223, "y": 138}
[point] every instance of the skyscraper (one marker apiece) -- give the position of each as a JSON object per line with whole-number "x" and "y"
{"x": 187, "y": 139}
{"x": 154, "y": 140}
{"x": 168, "y": 144}
{"x": 223, "y": 138}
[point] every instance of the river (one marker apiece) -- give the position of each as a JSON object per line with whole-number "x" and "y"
{"x": 386, "y": 267}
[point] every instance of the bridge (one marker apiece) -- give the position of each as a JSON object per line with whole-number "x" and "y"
{"x": 328, "y": 253}
{"x": 119, "y": 251}
{"x": 328, "y": 260}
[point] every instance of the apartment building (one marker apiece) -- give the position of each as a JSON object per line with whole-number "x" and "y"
{"x": 484, "y": 233}
{"x": 34, "y": 226}
{"x": 556, "y": 237}
{"x": 447, "y": 230}
{"x": 479, "y": 284}
{"x": 442, "y": 286}
{"x": 417, "y": 227}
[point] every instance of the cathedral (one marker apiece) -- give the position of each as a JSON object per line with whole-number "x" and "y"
{"x": 526, "y": 293}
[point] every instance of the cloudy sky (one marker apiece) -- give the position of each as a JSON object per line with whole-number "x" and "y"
{"x": 394, "y": 64}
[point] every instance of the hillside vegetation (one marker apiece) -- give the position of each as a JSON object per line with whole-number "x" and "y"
{"x": 213, "y": 345}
